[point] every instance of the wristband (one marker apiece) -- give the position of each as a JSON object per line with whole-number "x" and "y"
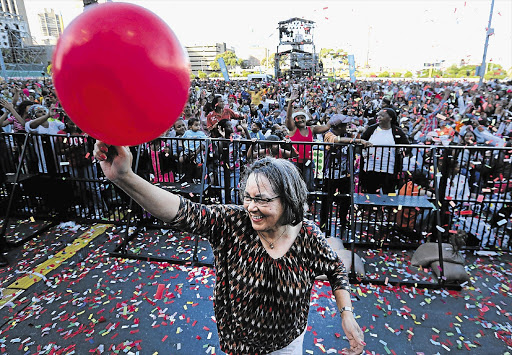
{"x": 346, "y": 309}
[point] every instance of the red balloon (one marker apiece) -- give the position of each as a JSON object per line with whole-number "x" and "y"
{"x": 121, "y": 74}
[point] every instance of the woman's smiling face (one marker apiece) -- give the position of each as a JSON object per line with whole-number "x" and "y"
{"x": 264, "y": 216}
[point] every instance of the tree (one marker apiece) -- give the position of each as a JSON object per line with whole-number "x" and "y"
{"x": 214, "y": 75}
{"x": 495, "y": 71}
{"x": 201, "y": 74}
{"x": 396, "y": 75}
{"x": 452, "y": 71}
{"x": 192, "y": 76}
{"x": 408, "y": 74}
{"x": 270, "y": 61}
{"x": 333, "y": 54}
{"x": 384, "y": 74}
{"x": 230, "y": 59}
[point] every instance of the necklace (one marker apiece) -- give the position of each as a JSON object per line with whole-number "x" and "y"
{"x": 271, "y": 244}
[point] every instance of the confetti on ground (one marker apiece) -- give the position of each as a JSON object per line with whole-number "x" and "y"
{"x": 94, "y": 303}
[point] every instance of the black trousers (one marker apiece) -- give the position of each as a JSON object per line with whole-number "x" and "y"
{"x": 330, "y": 186}
{"x": 372, "y": 181}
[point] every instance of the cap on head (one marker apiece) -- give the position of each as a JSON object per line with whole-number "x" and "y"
{"x": 300, "y": 113}
{"x": 338, "y": 119}
{"x": 391, "y": 113}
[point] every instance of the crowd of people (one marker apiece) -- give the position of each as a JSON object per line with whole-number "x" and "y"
{"x": 262, "y": 136}
{"x": 284, "y": 117}
{"x": 375, "y": 115}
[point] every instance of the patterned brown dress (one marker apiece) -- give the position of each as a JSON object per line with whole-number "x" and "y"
{"x": 261, "y": 304}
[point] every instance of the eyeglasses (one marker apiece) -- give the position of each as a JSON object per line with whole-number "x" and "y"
{"x": 259, "y": 201}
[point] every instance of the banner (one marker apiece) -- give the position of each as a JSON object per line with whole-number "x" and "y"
{"x": 352, "y": 68}
{"x": 223, "y": 68}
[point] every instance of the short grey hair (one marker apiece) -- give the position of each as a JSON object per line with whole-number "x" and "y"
{"x": 286, "y": 181}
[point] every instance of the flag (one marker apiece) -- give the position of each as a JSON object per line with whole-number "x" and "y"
{"x": 352, "y": 68}
{"x": 223, "y": 68}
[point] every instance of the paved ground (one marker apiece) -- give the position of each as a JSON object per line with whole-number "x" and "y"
{"x": 64, "y": 294}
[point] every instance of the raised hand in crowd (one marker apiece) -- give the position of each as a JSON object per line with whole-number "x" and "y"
{"x": 9, "y": 107}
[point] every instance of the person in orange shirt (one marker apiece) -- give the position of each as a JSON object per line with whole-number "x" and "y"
{"x": 418, "y": 186}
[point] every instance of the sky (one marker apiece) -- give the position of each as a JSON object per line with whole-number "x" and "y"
{"x": 390, "y": 34}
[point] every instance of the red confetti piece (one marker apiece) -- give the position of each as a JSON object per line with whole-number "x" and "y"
{"x": 159, "y": 291}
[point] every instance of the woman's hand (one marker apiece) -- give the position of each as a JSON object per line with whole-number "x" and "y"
{"x": 116, "y": 162}
{"x": 222, "y": 132}
{"x": 365, "y": 144}
{"x": 294, "y": 96}
{"x": 6, "y": 104}
{"x": 354, "y": 335}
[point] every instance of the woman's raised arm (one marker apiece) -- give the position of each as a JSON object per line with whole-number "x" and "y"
{"x": 116, "y": 163}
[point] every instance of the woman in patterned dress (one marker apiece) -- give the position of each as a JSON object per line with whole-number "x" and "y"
{"x": 266, "y": 254}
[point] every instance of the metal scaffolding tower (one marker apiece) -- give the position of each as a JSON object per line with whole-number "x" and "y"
{"x": 295, "y": 54}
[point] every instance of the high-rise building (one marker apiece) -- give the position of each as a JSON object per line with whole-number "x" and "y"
{"x": 14, "y": 30}
{"x": 201, "y": 56}
{"x": 51, "y": 26}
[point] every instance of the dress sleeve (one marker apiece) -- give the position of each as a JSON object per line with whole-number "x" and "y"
{"x": 213, "y": 222}
{"x": 326, "y": 261}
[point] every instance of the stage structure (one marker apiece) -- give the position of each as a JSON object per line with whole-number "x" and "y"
{"x": 21, "y": 58}
{"x": 295, "y": 53}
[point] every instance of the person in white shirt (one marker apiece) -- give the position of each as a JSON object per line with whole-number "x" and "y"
{"x": 381, "y": 164}
{"x": 42, "y": 126}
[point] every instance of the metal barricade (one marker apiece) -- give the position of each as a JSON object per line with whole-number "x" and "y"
{"x": 369, "y": 197}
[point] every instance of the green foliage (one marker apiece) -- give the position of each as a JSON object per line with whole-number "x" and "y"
{"x": 408, "y": 74}
{"x": 396, "y": 75}
{"x": 230, "y": 59}
{"x": 452, "y": 71}
{"x": 214, "y": 75}
{"x": 333, "y": 53}
{"x": 431, "y": 73}
{"x": 270, "y": 61}
{"x": 245, "y": 73}
{"x": 201, "y": 74}
{"x": 495, "y": 73}
{"x": 192, "y": 76}
{"x": 384, "y": 74}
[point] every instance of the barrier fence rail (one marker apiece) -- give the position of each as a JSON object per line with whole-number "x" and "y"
{"x": 373, "y": 197}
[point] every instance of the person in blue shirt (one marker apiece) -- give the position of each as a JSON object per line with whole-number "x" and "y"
{"x": 192, "y": 156}
{"x": 255, "y": 131}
